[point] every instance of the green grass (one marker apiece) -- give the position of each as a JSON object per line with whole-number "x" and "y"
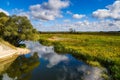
{"x": 94, "y": 48}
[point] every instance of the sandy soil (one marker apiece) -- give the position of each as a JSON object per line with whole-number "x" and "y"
{"x": 22, "y": 51}
{"x": 10, "y": 52}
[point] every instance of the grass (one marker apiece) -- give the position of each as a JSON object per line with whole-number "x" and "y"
{"x": 97, "y": 49}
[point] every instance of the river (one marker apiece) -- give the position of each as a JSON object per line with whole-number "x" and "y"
{"x": 43, "y": 63}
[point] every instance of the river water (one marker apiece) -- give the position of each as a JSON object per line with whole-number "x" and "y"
{"x": 43, "y": 63}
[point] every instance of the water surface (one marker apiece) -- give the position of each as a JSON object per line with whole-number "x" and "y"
{"x": 48, "y": 65}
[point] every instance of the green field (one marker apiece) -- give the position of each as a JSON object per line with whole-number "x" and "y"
{"x": 97, "y": 49}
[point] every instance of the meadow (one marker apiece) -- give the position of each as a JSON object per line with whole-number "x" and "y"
{"x": 100, "y": 49}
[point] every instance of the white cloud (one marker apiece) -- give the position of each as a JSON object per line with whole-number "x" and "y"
{"x": 1, "y": 10}
{"x": 103, "y": 25}
{"x": 101, "y": 13}
{"x": 56, "y": 4}
{"x": 48, "y": 10}
{"x": 112, "y": 11}
{"x": 16, "y": 10}
{"x": 52, "y": 9}
{"x": 78, "y": 16}
{"x": 66, "y": 20}
{"x": 24, "y": 14}
{"x": 21, "y": 12}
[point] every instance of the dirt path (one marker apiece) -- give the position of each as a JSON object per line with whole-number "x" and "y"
{"x": 54, "y": 38}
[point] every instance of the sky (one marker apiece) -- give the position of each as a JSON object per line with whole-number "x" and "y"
{"x": 62, "y": 15}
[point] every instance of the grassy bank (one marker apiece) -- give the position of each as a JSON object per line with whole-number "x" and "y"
{"x": 94, "y": 48}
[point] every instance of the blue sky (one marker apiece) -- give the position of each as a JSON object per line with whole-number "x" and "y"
{"x": 61, "y": 15}
{"x": 76, "y": 6}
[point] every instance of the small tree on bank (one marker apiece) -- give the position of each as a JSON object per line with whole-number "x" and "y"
{"x": 72, "y": 30}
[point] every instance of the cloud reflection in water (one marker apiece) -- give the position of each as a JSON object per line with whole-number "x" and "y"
{"x": 46, "y": 52}
{"x": 6, "y": 77}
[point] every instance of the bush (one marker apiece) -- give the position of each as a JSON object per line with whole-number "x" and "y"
{"x": 22, "y": 46}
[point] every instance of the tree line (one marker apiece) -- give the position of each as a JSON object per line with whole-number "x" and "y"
{"x": 15, "y": 29}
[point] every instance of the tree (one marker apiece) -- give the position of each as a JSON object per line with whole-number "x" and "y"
{"x": 71, "y": 30}
{"x": 3, "y": 19}
{"x": 16, "y": 29}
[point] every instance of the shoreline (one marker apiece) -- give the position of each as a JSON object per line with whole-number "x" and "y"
{"x": 12, "y": 52}
{"x": 22, "y": 51}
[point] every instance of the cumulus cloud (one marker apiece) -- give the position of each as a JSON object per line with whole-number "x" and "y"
{"x": 101, "y": 13}
{"x": 52, "y": 9}
{"x": 112, "y": 11}
{"x": 48, "y": 10}
{"x": 103, "y": 25}
{"x": 1, "y": 10}
{"x": 78, "y": 16}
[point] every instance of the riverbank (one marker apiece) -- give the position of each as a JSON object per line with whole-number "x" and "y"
{"x": 8, "y": 50}
{"x": 97, "y": 50}
{"x": 10, "y": 53}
